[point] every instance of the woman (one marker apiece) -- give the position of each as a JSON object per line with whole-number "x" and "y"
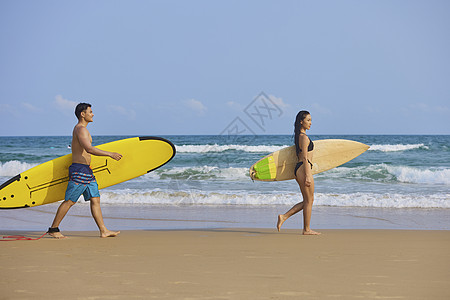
{"x": 303, "y": 174}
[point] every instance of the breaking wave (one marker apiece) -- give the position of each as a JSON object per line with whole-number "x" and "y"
{"x": 187, "y": 197}
{"x": 398, "y": 147}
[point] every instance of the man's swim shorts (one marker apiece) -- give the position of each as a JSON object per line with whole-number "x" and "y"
{"x": 81, "y": 182}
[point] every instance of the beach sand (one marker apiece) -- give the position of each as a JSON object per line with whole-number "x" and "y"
{"x": 228, "y": 264}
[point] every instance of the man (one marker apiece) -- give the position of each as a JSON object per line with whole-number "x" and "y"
{"x": 81, "y": 177}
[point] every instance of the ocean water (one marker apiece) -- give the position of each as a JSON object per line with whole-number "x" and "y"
{"x": 397, "y": 172}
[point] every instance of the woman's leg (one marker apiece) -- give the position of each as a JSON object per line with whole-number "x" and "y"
{"x": 306, "y": 205}
{"x": 295, "y": 209}
{"x": 308, "y": 199}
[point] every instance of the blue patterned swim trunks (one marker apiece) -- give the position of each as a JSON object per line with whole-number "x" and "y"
{"x": 81, "y": 182}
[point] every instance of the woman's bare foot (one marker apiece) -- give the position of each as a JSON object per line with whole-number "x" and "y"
{"x": 56, "y": 235}
{"x": 281, "y": 219}
{"x": 109, "y": 233}
{"x": 310, "y": 232}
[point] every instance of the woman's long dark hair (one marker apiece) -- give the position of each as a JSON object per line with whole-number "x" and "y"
{"x": 297, "y": 126}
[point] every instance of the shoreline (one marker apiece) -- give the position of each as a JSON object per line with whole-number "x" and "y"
{"x": 230, "y": 263}
{"x": 172, "y": 217}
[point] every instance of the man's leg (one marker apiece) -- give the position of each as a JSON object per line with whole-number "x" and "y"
{"x": 98, "y": 217}
{"x": 60, "y": 214}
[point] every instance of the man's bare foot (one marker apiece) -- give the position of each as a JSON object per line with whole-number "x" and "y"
{"x": 109, "y": 233}
{"x": 310, "y": 232}
{"x": 56, "y": 235}
{"x": 281, "y": 219}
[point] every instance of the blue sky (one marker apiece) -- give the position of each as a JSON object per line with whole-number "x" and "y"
{"x": 193, "y": 67}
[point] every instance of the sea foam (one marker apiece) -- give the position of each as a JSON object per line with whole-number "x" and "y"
{"x": 388, "y": 173}
{"x": 223, "y": 148}
{"x": 195, "y": 197}
{"x": 14, "y": 167}
{"x": 273, "y": 148}
{"x": 398, "y": 147}
{"x": 420, "y": 175}
{"x": 199, "y": 173}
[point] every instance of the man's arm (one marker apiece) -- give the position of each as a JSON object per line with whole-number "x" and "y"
{"x": 85, "y": 142}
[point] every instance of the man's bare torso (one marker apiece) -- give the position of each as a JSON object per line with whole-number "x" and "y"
{"x": 79, "y": 154}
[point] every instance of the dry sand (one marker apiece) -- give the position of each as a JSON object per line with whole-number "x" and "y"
{"x": 229, "y": 264}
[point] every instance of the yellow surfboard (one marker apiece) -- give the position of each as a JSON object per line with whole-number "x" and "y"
{"x": 327, "y": 154}
{"x": 47, "y": 182}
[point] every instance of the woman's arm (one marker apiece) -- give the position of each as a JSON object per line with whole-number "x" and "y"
{"x": 304, "y": 142}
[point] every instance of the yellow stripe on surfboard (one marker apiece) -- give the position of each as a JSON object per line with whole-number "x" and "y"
{"x": 267, "y": 168}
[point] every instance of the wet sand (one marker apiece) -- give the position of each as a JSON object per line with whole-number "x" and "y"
{"x": 228, "y": 264}
{"x": 181, "y": 217}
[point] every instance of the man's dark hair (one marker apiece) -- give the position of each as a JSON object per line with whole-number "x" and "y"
{"x": 80, "y": 108}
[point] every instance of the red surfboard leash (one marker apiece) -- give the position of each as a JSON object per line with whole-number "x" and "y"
{"x": 10, "y": 238}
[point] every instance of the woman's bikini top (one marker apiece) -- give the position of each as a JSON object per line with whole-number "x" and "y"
{"x": 310, "y": 146}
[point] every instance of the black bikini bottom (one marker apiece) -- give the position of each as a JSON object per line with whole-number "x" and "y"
{"x": 298, "y": 165}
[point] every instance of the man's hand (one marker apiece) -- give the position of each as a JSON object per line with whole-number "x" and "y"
{"x": 115, "y": 155}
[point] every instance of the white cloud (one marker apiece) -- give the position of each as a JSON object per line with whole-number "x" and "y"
{"x": 235, "y": 105}
{"x": 196, "y": 106}
{"x": 125, "y": 112}
{"x": 64, "y": 104}
{"x": 424, "y": 107}
{"x": 31, "y": 107}
{"x": 279, "y": 102}
{"x": 7, "y": 109}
